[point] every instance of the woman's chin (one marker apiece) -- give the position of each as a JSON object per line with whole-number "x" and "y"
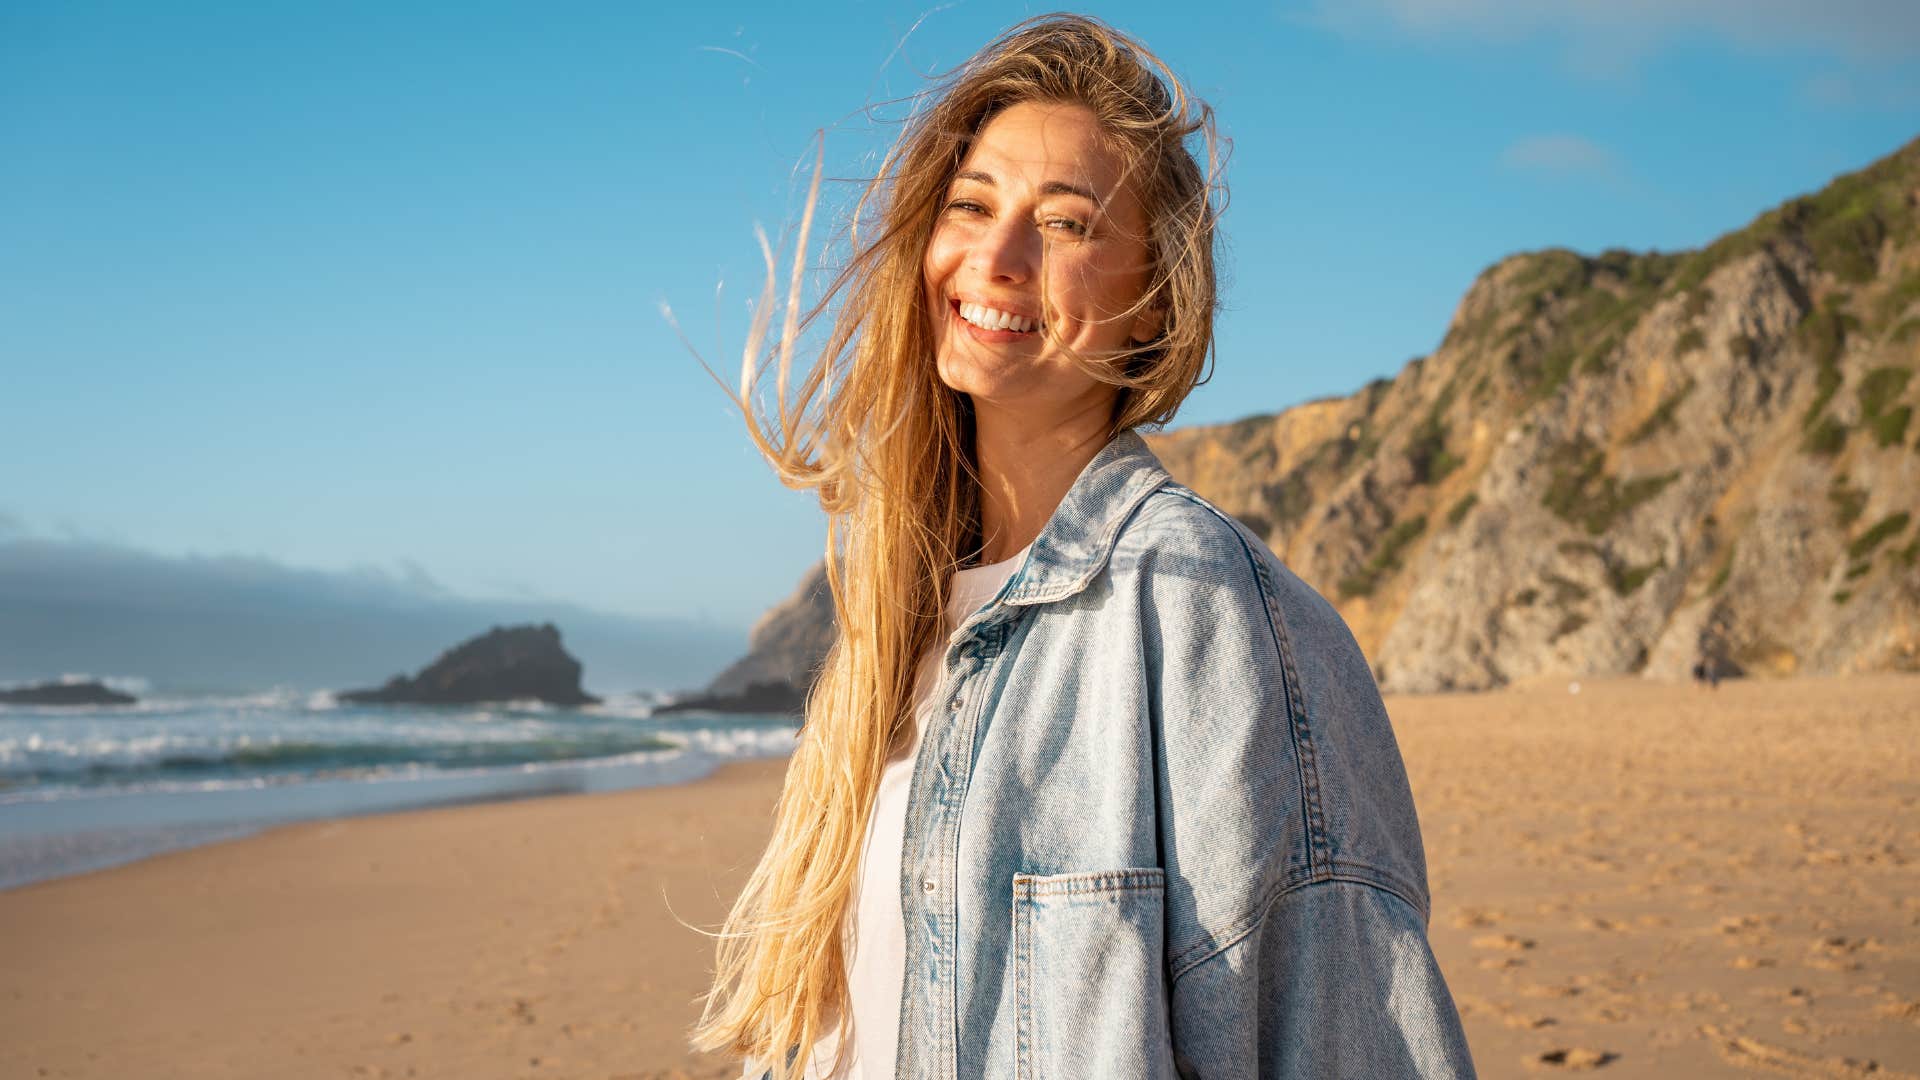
{"x": 988, "y": 379}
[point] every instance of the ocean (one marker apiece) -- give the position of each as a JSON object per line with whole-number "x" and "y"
{"x": 86, "y": 788}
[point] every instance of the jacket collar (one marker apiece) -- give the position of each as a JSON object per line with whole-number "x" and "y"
{"x": 1080, "y": 536}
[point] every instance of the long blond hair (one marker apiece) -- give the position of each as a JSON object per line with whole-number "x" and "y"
{"x": 889, "y": 449}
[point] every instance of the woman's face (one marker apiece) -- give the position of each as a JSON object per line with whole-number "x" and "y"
{"x": 1040, "y": 207}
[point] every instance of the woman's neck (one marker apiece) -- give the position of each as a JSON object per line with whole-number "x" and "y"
{"x": 1027, "y": 464}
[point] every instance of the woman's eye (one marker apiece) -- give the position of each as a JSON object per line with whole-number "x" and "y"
{"x": 966, "y": 205}
{"x": 1067, "y": 225}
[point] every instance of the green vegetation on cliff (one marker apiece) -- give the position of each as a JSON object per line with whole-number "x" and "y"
{"x": 1882, "y": 530}
{"x": 1842, "y": 225}
{"x": 1580, "y": 492}
{"x": 1878, "y": 391}
{"x": 1662, "y": 416}
{"x": 1386, "y": 558}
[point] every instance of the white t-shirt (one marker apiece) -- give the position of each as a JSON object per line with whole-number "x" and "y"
{"x": 876, "y": 938}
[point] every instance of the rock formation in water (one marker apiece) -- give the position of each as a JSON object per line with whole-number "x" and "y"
{"x": 776, "y": 697}
{"x": 784, "y": 651}
{"x": 92, "y": 692}
{"x": 505, "y": 664}
{"x": 1622, "y": 463}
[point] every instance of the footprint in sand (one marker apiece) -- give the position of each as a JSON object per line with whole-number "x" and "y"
{"x": 1838, "y": 953}
{"x": 1745, "y": 924}
{"x": 1554, "y": 990}
{"x": 1507, "y": 942}
{"x": 1751, "y": 1053}
{"x": 1900, "y": 1009}
{"x": 1477, "y": 918}
{"x": 1796, "y": 996}
{"x": 1573, "y": 1058}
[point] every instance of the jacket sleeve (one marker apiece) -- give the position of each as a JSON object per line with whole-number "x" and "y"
{"x": 1335, "y": 980}
{"x": 1296, "y": 899}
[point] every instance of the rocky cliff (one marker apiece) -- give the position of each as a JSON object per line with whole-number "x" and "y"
{"x": 1617, "y": 463}
{"x": 788, "y": 643}
{"x": 514, "y": 663}
{"x": 784, "y": 651}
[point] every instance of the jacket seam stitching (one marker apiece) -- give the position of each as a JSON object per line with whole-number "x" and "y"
{"x": 1358, "y": 873}
{"x": 1090, "y": 882}
{"x": 1313, "y": 821}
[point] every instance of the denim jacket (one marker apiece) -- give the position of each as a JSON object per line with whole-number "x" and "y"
{"x": 1162, "y": 828}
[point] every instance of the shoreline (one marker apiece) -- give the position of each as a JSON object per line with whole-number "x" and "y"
{"x": 76, "y": 833}
{"x": 1649, "y": 878}
{"x": 426, "y": 942}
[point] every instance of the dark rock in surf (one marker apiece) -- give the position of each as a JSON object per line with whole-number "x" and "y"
{"x": 774, "y": 697}
{"x": 92, "y": 692}
{"x": 505, "y": 664}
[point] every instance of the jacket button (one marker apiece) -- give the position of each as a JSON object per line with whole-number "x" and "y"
{"x": 927, "y": 886}
{"x": 956, "y": 702}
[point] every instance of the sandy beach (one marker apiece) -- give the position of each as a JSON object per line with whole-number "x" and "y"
{"x": 1637, "y": 880}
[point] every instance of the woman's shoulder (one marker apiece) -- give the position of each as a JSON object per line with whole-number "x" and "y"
{"x": 1178, "y": 543}
{"x": 1243, "y": 632}
{"x": 1176, "y": 530}
{"x": 1175, "y": 514}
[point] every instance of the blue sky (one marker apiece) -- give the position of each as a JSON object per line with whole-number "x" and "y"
{"x": 377, "y": 286}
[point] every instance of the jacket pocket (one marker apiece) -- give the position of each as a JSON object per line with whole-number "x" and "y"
{"x": 1090, "y": 988}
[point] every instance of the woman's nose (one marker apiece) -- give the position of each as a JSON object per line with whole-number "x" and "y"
{"x": 1007, "y": 251}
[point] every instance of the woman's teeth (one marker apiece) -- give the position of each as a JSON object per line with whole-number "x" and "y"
{"x": 987, "y": 318}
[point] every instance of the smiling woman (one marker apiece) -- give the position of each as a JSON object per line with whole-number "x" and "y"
{"x": 1090, "y": 784}
{"x": 1040, "y": 215}
{"x": 1037, "y": 275}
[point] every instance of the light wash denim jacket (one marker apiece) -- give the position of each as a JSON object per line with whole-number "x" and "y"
{"x": 1161, "y": 827}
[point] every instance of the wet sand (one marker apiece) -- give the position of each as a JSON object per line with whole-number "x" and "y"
{"x": 1638, "y": 880}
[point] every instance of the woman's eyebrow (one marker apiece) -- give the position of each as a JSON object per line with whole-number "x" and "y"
{"x": 1051, "y": 187}
{"x": 1061, "y": 187}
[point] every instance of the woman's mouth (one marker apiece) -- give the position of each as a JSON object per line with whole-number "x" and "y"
{"x": 991, "y": 324}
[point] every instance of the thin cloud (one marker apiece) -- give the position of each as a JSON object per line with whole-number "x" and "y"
{"x": 250, "y": 622}
{"x": 1602, "y": 34}
{"x": 735, "y": 53}
{"x": 1889, "y": 90}
{"x": 1559, "y": 154}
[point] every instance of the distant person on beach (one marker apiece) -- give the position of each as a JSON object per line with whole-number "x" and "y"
{"x": 1091, "y": 785}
